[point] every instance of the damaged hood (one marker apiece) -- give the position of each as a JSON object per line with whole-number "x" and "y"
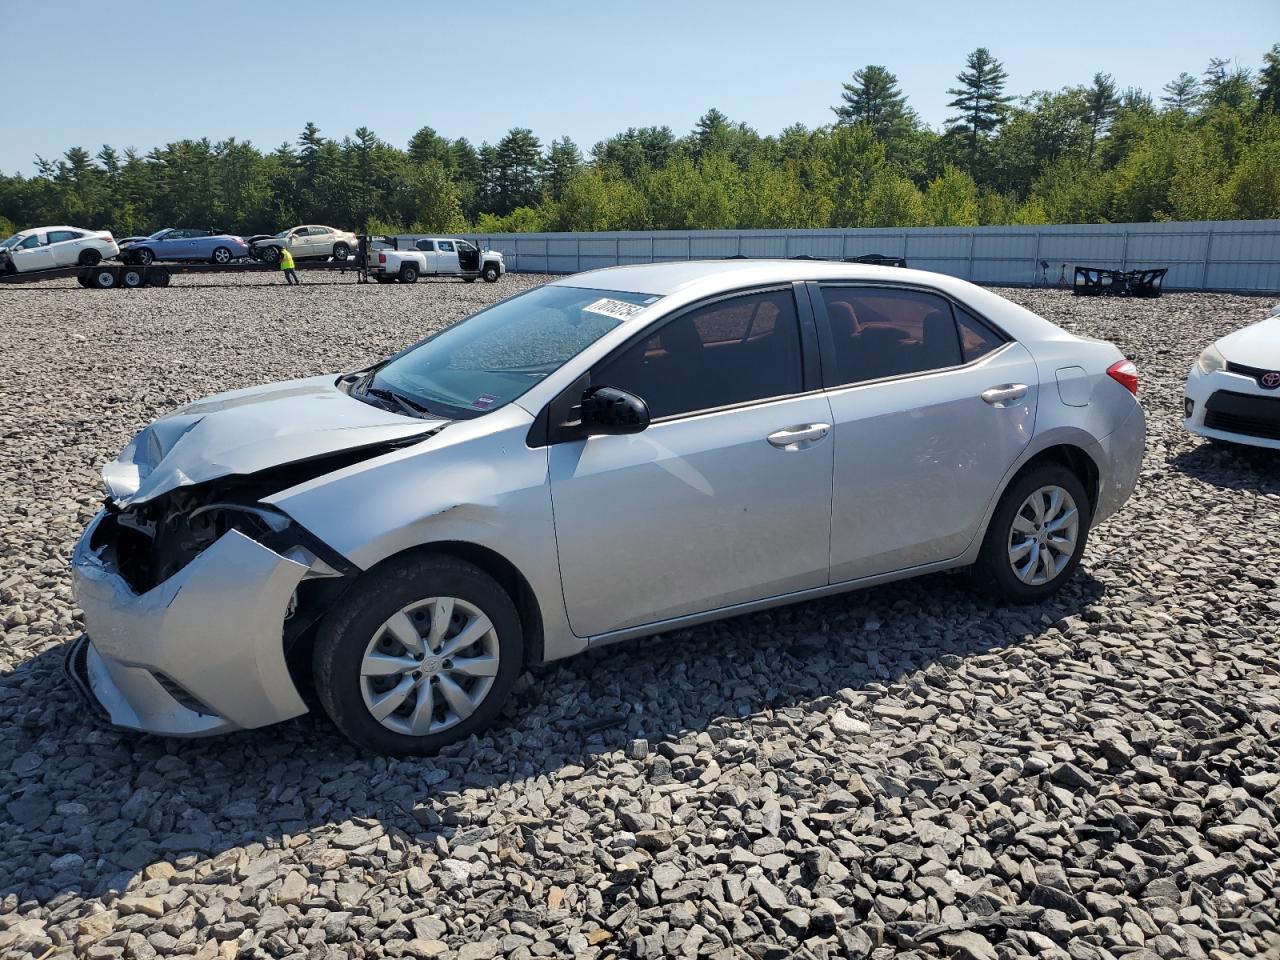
{"x": 245, "y": 431}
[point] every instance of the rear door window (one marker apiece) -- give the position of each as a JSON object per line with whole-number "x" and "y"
{"x": 883, "y": 332}
{"x": 733, "y": 351}
{"x": 977, "y": 338}
{"x": 61, "y": 236}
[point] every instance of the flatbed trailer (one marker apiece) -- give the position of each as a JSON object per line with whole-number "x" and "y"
{"x": 109, "y": 274}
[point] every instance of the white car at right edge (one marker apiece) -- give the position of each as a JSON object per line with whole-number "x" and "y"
{"x": 1233, "y": 390}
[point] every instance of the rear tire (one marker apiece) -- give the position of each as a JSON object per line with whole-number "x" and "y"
{"x": 408, "y": 274}
{"x": 1014, "y": 563}
{"x": 221, "y": 255}
{"x": 103, "y": 279}
{"x": 403, "y": 597}
{"x": 132, "y": 277}
{"x": 158, "y": 277}
{"x": 89, "y": 258}
{"x": 84, "y": 281}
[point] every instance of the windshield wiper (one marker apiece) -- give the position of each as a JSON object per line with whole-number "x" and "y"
{"x": 408, "y": 406}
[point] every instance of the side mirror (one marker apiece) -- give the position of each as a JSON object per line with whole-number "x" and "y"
{"x": 610, "y": 411}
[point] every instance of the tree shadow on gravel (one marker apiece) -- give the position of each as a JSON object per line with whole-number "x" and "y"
{"x": 1233, "y": 466}
{"x": 85, "y": 808}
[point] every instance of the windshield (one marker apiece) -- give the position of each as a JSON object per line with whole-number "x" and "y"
{"x": 159, "y": 233}
{"x": 489, "y": 359}
{"x": 283, "y": 233}
{"x": 12, "y": 242}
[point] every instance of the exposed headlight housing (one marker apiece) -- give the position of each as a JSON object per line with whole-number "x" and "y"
{"x": 1211, "y": 360}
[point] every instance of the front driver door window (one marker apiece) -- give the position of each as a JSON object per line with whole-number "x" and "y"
{"x": 702, "y": 510}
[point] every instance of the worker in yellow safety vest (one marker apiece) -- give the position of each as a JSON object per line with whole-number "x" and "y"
{"x": 286, "y": 264}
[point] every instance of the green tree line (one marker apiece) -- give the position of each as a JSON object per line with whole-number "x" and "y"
{"x": 1206, "y": 147}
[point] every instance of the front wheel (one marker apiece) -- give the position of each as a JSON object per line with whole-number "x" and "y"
{"x": 491, "y": 272}
{"x": 144, "y": 257}
{"x": 271, "y": 255}
{"x": 421, "y": 654}
{"x": 1036, "y": 536}
{"x": 341, "y": 251}
{"x": 90, "y": 258}
{"x": 221, "y": 255}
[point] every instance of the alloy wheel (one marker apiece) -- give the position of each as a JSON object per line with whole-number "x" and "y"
{"x": 429, "y": 666}
{"x": 1043, "y": 536}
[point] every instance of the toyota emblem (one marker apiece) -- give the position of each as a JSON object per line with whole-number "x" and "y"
{"x": 1269, "y": 381}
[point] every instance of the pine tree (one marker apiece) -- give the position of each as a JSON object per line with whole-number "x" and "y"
{"x": 564, "y": 160}
{"x": 980, "y": 100}
{"x": 1182, "y": 93}
{"x": 1269, "y": 80}
{"x": 1103, "y": 103}
{"x": 873, "y": 98}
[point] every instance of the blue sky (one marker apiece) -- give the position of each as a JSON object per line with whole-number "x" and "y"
{"x": 86, "y": 75}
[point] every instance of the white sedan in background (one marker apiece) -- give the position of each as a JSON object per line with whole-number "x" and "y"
{"x": 44, "y": 248}
{"x": 1233, "y": 390}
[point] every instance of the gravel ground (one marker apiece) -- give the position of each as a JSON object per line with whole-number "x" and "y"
{"x": 908, "y": 771}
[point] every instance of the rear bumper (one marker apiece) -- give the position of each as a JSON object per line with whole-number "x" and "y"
{"x": 201, "y": 653}
{"x": 1120, "y": 455}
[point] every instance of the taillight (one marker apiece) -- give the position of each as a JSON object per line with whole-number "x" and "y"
{"x": 107, "y": 236}
{"x": 382, "y": 258}
{"x": 1125, "y": 373}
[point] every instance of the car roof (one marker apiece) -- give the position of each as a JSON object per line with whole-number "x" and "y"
{"x": 690, "y": 280}
{"x": 714, "y": 276}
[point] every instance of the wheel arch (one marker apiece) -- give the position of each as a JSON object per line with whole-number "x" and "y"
{"x": 506, "y": 573}
{"x": 1074, "y": 458}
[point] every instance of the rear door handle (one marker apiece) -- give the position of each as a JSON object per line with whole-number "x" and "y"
{"x": 1003, "y": 394}
{"x": 799, "y": 437}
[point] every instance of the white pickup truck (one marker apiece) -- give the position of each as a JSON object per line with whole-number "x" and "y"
{"x": 388, "y": 261}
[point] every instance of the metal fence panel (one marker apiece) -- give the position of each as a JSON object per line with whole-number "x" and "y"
{"x": 1241, "y": 255}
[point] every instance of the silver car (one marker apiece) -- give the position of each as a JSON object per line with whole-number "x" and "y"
{"x": 612, "y": 455}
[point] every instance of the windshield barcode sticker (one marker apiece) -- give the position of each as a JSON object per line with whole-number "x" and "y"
{"x": 618, "y": 309}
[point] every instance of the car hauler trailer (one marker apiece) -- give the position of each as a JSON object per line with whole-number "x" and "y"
{"x": 109, "y": 274}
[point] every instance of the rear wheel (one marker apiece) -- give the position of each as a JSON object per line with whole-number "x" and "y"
{"x": 158, "y": 277}
{"x": 381, "y": 279}
{"x": 341, "y": 251}
{"x": 103, "y": 279}
{"x": 408, "y": 274}
{"x": 89, "y": 258}
{"x": 422, "y": 653}
{"x": 131, "y": 277}
{"x": 1036, "y": 536}
{"x": 84, "y": 281}
{"x": 221, "y": 255}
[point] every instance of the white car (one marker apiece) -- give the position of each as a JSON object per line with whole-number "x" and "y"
{"x": 306, "y": 242}
{"x": 45, "y": 248}
{"x": 1233, "y": 390}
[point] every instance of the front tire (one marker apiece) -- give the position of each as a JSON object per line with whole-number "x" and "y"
{"x": 1036, "y": 536}
{"x": 422, "y": 653}
{"x": 90, "y": 258}
{"x": 271, "y": 255}
{"x": 341, "y": 251}
{"x": 491, "y": 272}
{"x": 144, "y": 257}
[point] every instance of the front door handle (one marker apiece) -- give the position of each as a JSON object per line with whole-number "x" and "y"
{"x": 799, "y": 437}
{"x": 1005, "y": 393}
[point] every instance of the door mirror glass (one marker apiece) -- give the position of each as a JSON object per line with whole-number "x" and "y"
{"x": 610, "y": 411}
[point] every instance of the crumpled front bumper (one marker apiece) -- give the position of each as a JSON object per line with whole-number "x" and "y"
{"x": 201, "y": 653}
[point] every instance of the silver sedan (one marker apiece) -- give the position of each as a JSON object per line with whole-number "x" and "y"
{"x": 612, "y": 455}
